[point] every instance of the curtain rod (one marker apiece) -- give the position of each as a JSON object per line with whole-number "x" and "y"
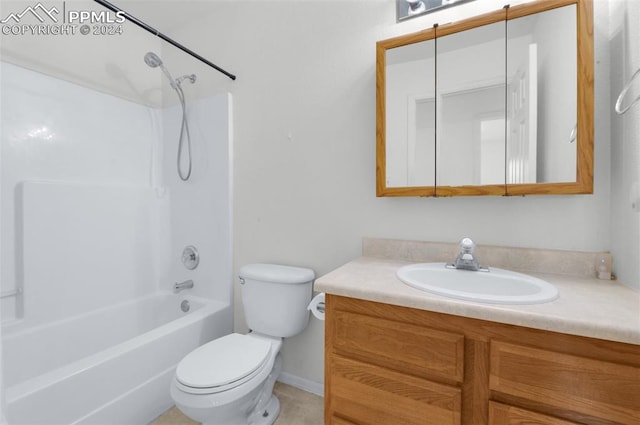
{"x": 162, "y": 36}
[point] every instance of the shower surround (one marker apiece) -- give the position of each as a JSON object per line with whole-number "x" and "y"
{"x": 94, "y": 218}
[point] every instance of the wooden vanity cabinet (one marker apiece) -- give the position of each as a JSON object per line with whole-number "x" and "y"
{"x": 391, "y": 365}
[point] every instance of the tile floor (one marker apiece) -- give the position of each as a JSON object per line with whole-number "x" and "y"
{"x": 297, "y": 407}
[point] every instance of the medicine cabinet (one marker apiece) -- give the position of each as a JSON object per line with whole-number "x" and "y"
{"x": 499, "y": 104}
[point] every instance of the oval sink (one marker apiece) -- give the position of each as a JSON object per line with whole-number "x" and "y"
{"x": 495, "y": 286}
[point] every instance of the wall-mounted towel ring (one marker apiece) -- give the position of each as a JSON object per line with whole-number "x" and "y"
{"x": 623, "y": 93}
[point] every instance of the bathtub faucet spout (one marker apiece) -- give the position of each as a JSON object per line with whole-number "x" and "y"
{"x": 179, "y": 286}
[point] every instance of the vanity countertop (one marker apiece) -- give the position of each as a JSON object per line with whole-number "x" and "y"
{"x": 586, "y": 306}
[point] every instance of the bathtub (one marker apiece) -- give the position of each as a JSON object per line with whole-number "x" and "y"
{"x": 111, "y": 366}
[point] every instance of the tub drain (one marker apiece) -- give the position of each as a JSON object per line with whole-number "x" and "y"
{"x": 184, "y": 306}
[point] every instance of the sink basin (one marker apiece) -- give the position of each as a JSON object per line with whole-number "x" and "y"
{"x": 496, "y": 286}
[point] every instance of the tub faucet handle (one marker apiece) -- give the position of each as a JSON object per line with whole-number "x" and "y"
{"x": 190, "y": 257}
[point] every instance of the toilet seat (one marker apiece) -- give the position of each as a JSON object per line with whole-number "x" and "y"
{"x": 222, "y": 364}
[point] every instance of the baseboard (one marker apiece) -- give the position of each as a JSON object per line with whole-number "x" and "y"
{"x": 312, "y": 387}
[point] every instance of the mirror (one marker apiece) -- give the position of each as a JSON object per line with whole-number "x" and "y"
{"x": 493, "y": 105}
{"x": 542, "y": 57}
{"x": 410, "y": 115}
{"x": 471, "y": 94}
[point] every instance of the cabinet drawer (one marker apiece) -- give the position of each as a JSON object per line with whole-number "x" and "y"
{"x": 587, "y": 386}
{"x": 378, "y": 396}
{"x": 401, "y": 346}
{"x": 501, "y": 414}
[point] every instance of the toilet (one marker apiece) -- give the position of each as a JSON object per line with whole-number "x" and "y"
{"x": 229, "y": 381}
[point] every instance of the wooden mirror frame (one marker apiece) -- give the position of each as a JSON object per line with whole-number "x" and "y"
{"x": 585, "y": 105}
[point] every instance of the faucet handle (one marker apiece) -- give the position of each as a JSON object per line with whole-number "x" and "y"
{"x": 467, "y": 245}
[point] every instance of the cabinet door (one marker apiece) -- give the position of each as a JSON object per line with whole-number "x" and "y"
{"x": 374, "y": 395}
{"x": 501, "y": 414}
{"x": 586, "y": 386}
{"x": 470, "y": 96}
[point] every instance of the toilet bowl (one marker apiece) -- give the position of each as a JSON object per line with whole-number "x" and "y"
{"x": 229, "y": 381}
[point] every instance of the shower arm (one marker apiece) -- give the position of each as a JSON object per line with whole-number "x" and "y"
{"x": 162, "y": 36}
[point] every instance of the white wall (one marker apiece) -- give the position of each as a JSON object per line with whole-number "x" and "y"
{"x": 625, "y": 142}
{"x": 304, "y": 107}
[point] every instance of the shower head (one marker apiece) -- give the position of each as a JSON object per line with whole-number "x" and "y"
{"x": 152, "y": 60}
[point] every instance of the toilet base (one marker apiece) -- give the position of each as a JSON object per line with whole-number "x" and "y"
{"x": 267, "y": 417}
{"x": 270, "y": 413}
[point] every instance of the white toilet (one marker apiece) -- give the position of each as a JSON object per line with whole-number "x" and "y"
{"x": 229, "y": 381}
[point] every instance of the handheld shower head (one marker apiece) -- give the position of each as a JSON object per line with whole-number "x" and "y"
{"x": 152, "y": 60}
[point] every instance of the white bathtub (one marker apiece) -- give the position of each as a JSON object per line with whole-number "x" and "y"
{"x": 111, "y": 366}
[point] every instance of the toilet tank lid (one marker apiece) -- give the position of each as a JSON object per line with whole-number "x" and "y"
{"x": 276, "y": 273}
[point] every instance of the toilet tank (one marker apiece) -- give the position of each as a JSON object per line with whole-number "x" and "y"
{"x": 275, "y": 298}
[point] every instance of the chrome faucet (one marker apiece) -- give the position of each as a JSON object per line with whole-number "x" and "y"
{"x": 466, "y": 259}
{"x": 179, "y": 286}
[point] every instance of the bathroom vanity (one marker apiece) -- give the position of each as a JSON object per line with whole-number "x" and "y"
{"x": 395, "y": 354}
